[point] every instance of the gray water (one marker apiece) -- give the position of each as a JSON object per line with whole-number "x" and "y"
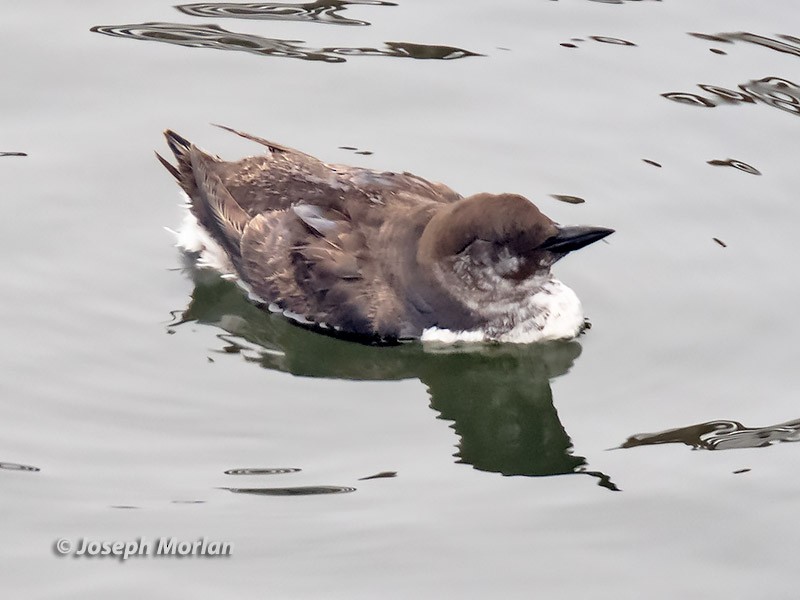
{"x": 648, "y": 458}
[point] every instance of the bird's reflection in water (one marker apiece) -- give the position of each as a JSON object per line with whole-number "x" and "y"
{"x": 498, "y": 397}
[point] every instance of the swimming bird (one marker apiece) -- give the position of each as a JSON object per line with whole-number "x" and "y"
{"x": 373, "y": 255}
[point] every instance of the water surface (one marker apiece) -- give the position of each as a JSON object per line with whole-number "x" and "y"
{"x": 651, "y": 457}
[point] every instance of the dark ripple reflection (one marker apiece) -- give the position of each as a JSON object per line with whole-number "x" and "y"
{"x": 268, "y": 471}
{"x": 622, "y": 1}
{"x": 381, "y": 475}
{"x": 7, "y": 466}
{"x": 610, "y": 40}
{"x": 213, "y": 36}
{"x": 308, "y": 490}
{"x": 736, "y": 164}
{"x": 720, "y": 435}
{"x": 725, "y": 95}
{"x": 498, "y": 397}
{"x": 568, "y": 199}
{"x": 321, "y": 11}
{"x": 789, "y": 45}
{"x": 686, "y": 98}
{"x": 773, "y": 91}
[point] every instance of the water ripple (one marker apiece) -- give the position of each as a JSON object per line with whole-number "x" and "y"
{"x": 568, "y": 199}
{"x": 790, "y": 45}
{"x": 686, "y": 98}
{"x": 355, "y": 150}
{"x": 16, "y": 467}
{"x": 620, "y": 1}
{"x": 604, "y": 39}
{"x": 776, "y": 92}
{"x": 381, "y": 475}
{"x": 726, "y": 95}
{"x": 321, "y": 11}
{"x": 736, "y": 164}
{"x": 308, "y": 490}
{"x": 610, "y": 40}
{"x": 773, "y": 91}
{"x": 213, "y": 36}
{"x": 264, "y": 471}
{"x": 720, "y": 435}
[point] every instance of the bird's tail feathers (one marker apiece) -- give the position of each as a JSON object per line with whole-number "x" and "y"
{"x": 181, "y": 148}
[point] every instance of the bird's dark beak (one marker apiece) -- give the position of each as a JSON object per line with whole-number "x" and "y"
{"x": 573, "y": 238}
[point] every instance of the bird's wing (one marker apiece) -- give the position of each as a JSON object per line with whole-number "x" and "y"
{"x": 283, "y": 176}
{"x": 315, "y": 265}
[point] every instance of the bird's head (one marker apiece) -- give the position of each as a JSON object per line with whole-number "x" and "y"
{"x": 500, "y": 237}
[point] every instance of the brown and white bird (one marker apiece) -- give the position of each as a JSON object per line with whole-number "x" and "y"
{"x": 374, "y": 255}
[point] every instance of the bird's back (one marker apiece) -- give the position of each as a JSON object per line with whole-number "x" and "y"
{"x": 328, "y": 244}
